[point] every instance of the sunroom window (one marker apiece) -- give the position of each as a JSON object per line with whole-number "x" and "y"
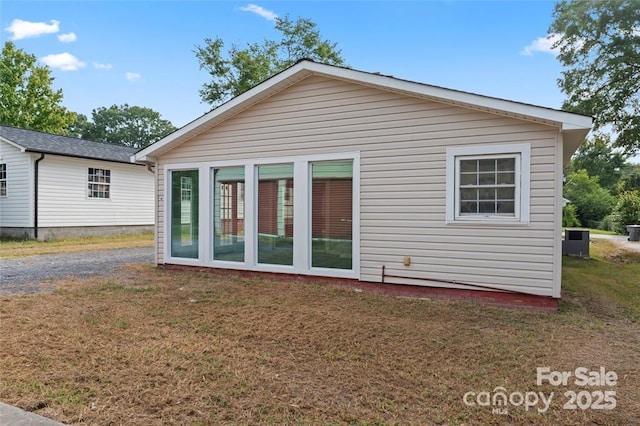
{"x": 289, "y": 214}
{"x": 332, "y": 214}
{"x": 184, "y": 214}
{"x": 228, "y": 214}
{"x": 275, "y": 214}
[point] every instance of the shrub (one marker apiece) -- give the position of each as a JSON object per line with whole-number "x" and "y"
{"x": 627, "y": 211}
{"x": 569, "y": 217}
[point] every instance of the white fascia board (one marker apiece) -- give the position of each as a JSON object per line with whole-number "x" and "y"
{"x": 567, "y": 120}
{"x": 13, "y": 144}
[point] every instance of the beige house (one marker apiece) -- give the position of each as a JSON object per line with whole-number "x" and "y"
{"x": 334, "y": 172}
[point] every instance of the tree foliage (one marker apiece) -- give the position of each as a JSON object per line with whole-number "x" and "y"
{"x": 126, "y": 125}
{"x": 630, "y": 178}
{"x": 627, "y": 211}
{"x": 27, "y": 99}
{"x": 237, "y": 69}
{"x": 599, "y": 44}
{"x": 592, "y": 202}
{"x": 570, "y": 216}
{"x": 600, "y": 160}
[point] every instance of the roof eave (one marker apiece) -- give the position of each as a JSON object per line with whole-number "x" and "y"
{"x": 567, "y": 121}
{"x": 13, "y": 144}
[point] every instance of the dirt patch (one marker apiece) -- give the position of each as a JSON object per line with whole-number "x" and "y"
{"x": 150, "y": 346}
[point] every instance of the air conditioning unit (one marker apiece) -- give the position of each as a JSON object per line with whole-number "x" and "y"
{"x": 576, "y": 243}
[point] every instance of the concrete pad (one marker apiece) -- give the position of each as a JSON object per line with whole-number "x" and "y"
{"x": 13, "y": 416}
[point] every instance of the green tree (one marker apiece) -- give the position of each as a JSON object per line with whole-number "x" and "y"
{"x": 570, "y": 217}
{"x": 599, "y": 159}
{"x": 627, "y": 211}
{"x": 592, "y": 202}
{"x": 599, "y": 44}
{"x": 237, "y": 70}
{"x": 27, "y": 99}
{"x": 630, "y": 178}
{"x": 126, "y": 125}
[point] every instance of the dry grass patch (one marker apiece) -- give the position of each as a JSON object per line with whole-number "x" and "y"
{"x": 18, "y": 248}
{"x": 151, "y": 346}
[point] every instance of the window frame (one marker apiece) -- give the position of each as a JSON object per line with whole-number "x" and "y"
{"x": 4, "y": 186}
{"x": 90, "y": 192}
{"x": 522, "y": 155}
{"x": 302, "y": 206}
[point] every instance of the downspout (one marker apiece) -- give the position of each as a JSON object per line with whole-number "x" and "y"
{"x": 35, "y": 197}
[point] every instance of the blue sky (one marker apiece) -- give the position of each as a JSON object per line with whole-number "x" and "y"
{"x": 141, "y": 52}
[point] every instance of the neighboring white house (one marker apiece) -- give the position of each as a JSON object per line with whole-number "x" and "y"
{"x": 334, "y": 172}
{"x": 55, "y": 186}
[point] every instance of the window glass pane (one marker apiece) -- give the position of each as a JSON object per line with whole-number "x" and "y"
{"x": 487, "y": 194}
{"x": 486, "y": 165}
{"x": 332, "y": 214}
{"x": 490, "y": 190}
{"x": 506, "y": 178}
{"x": 275, "y": 214}
{"x": 467, "y": 194}
{"x": 228, "y": 214}
{"x": 487, "y": 178}
{"x": 468, "y": 166}
{"x": 506, "y": 193}
{"x": 506, "y": 164}
{"x": 184, "y": 214}
{"x": 469, "y": 179}
{"x": 505, "y": 207}
{"x": 468, "y": 207}
{"x": 487, "y": 207}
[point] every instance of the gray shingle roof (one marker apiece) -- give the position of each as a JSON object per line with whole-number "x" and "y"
{"x": 33, "y": 141}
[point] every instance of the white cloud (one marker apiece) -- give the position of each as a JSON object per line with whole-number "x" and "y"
{"x": 260, "y": 11}
{"x": 64, "y": 61}
{"x": 542, "y": 44}
{"x": 99, "y": 66}
{"x": 132, "y": 76}
{"x": 26, "y": 29}
{"x": 67, "y": 38}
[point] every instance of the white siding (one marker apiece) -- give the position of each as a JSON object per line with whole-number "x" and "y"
{"x": 63, "y": 197}
{"x": 402, "y": 141}
{"x": 16, "y": 209}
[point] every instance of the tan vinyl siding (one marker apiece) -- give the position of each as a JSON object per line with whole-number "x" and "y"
{"x": 402, "y": 142}
{"x": 16, "y": 209}
{"x": 63, "y": 197}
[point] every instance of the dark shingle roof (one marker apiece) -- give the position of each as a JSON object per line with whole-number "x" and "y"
{"x": 33, "y": 141}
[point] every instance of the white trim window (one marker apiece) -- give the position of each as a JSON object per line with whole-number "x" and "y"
{"x": 489, "y": 183}
{"x": 3, "y": 179}
{"x": 99, "y": 183}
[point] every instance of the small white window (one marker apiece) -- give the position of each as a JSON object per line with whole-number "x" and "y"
{"x": 99, "y": 183}
{"x": 3, "y": 179}
{"x": 488, "y": 184}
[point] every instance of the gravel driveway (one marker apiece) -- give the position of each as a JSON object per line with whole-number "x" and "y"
{"x": 26, "y": 274}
